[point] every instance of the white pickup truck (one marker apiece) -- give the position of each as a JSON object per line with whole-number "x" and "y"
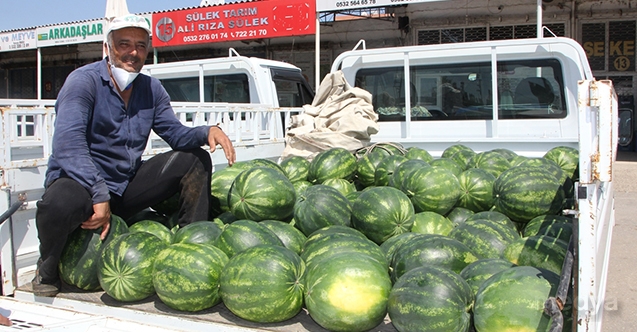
{"x": 524, "y": 95}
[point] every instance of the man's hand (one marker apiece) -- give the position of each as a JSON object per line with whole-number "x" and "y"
{"x": 217, "y": 136}
{"x": 101, "y": 218}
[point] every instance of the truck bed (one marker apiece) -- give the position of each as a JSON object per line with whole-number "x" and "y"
{"x": 100, "y": 306}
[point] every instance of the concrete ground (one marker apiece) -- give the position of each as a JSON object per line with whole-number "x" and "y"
{"x": 621, "y": 291}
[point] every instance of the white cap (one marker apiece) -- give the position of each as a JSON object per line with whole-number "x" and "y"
{"x": 129, "y": 21}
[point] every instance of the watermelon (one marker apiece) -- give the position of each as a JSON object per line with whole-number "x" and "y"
{"x": 220, "y": 183}
{"x": 513, "y": 300}
{"x": 224, "y": 218}
{"x": 432, "y": 189}
{"x": 366, "y": 166}
{"x": 153, "y": 227}
{"x": 262, "y": 193}
{"x": 485, "y": 238}
{"x": 125, "y": 267}
{"x": 451, "y": 150}
{"x": 523, "y": 193}
{"x": 517, "y": 160}
{"x": 186, "y": 276}
{"x": 295, "y": 168}
{"x": 321, "y": 247}
{"x": 390, "y": 245}
{"x": 430, "y": 249}
{"x": 458, "y": 215}
{"x": 418, "y": 153}
{"x": 491, "y": 161}
{"x": 539, "y": 251}
{"x": 463, "y": 157}
{"x": 335, "y": 163}
{"x": 347, "y": 292}
{"x": 535, "y": 225}
{"x": 243, "y": 234}
{"x": 506, "y": 153}
{"x": 204, "y": 232}
{"x": 78, "y": 262}
{"x": 382, "y": 212}
{"x": 321, "y": 206}
{"x": 477, "y": 272}
{"x": 430, "y": 298}
{"x": 496, "y": 216}
{"x": 300, "y": 186}
{"x": 448, "y": 164}
{"x": 428, "y": 222}
{"x": 289, "y": 235}
{"x": 343, "y": 186}
{"x": 476, "y": 187}
{"x": 404, "y": 170}
{"x": 262, "y": 162}
{"x": 385, "y": 169}
{"x": 263, "y": 284}
{"x": 567, "y": 158}
{"x": 552, "y": 167}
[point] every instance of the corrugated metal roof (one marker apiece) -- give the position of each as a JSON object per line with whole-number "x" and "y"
{"x": 145, "y": 13}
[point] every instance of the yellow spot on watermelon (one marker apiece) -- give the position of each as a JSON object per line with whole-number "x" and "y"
{"x": 353, "y": 295}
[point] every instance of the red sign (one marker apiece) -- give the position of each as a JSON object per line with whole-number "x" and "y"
{"x": 238, "y": 21}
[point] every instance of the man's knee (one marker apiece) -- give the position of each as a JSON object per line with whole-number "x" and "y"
{"x": 197, "y": 156}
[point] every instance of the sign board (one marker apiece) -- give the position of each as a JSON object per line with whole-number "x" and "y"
{"x": 231, "y": 22}
{"x": 337, "y": 5}
{"x": 17, "y": 40}
{"x": 72, "y": 33}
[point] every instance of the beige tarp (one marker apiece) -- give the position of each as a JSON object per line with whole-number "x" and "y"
{"x": 340, "y": 116}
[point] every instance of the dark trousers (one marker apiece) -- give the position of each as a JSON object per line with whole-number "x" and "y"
{"x": 66, "y": 204}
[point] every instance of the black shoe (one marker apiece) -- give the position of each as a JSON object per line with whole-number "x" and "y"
{"x": 42, "y": 289}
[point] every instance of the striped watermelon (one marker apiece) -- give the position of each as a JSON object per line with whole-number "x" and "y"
{"x": 335, "y": 163}
{"x": 321, "y": 206}
{"x": 428, "y": 222}
{"x": 539, "y": 251}
{"x": 263, "y": 284}
{"x": 323, "y": 246}
{"x": 220, "y": 183}
{"x": 415, "y": 152}
{"x": 432, "y": 189}
{"x": 476, "y": 187}
{"x": 125, "y": 269}
{"x": 496, "y": 216}
{"x": 385, "y": 169}
{"x": 382, "y": 212}
{"x": 430, "y": 298}
{"x": 463, "y": 158}
{"x": 347, "y": 292}
{"x": 513, "y": 300}
{"x": 553, "y": 168}
{"x": 491, "y": 161}
{"x": 153, "y": 227}
{"x": 204, "y": 232}
{"x": 430, "y": 249}
{"x": 79, "y": 261}
{"x": 295, "y": 168}
{"x": 448, "y": 164}
{"x": 458, "y": 215}
{"x": 186, "y": 276}
{"x": 390, "y": 245}
{"x": 263, "y": 162}
{"x": 148, "y": 214}
{"x": 262, "y": 193}
{"x": 366, "y": 166}
{"x": 567, "y": 158}
{"x": 508, "y": 154}
{"x": 345, "y": 187}
{"x": 523, "y": 193}
{"x": 476, "y": 273}
{"x": 404, "y": 170}
{"x": 535, "y": 225}
{"x": 243, "y": 234}
{"x": 451, "y": 150}
{"x": 485, "y": 238}
{"x": 300, "y": 186}
{"x": 289, "y": 235}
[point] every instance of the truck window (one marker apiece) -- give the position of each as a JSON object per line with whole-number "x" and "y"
{"x": 292, "y": 88}
{"x": 526, "y": 89}
{"x": 218, "y": 88}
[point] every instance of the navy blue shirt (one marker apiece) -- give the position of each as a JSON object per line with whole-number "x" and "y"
{"x": 99, "y": 142}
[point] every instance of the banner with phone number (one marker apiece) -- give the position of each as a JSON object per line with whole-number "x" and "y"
{"x": 238, "y": 21}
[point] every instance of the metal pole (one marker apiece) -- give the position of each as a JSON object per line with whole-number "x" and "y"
{"x": 38, "y": 79}
{"x": 317, "y": 54}
{"x": 540, "y": 33}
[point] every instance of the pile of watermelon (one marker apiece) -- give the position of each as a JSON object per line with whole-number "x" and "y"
{"x": 467, "y": 241}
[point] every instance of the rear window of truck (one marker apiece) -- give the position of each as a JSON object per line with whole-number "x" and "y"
{"x": 232, "y": 88}
{"x": 525, "y": 90}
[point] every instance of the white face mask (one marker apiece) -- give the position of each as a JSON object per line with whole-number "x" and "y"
{"x": 122, "y": 77}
